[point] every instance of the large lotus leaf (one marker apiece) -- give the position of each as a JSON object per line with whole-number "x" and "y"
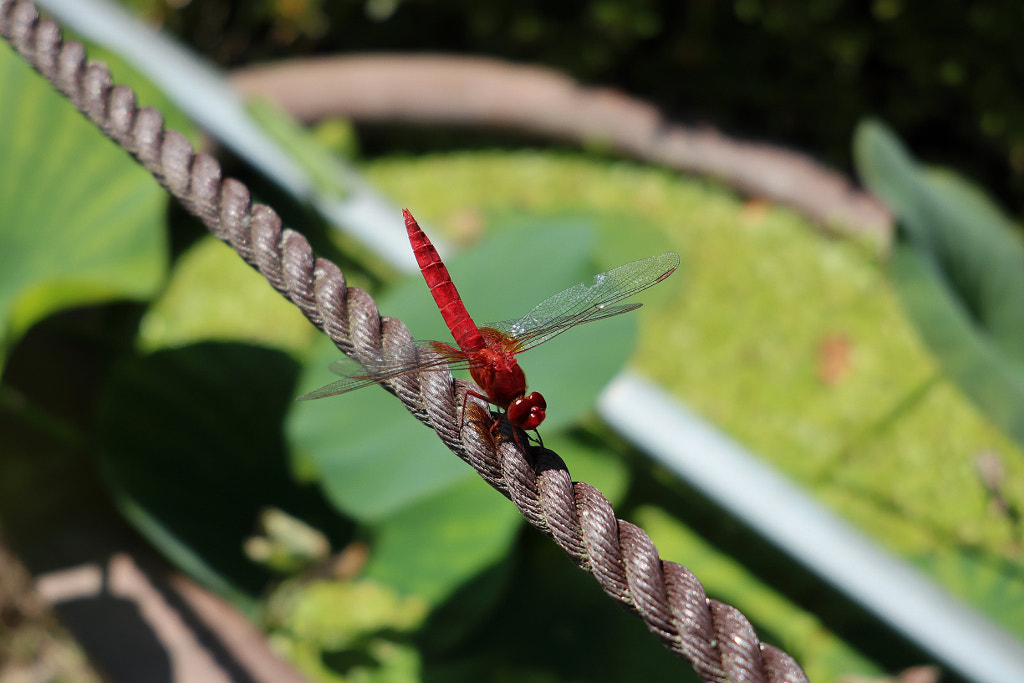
{"x": 379, "y": 465}
{"x": 191, "y": 445}
{"x": 81, "y": 222}
{"x": 958, "y": 264}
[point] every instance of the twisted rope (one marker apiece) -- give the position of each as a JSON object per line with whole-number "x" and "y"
{"x": 714, "y": 637}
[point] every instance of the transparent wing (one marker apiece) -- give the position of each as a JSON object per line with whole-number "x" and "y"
{"x": 583, "y": 304}
{"x": 395, "y": 362}
{"x": 574, "y": 306}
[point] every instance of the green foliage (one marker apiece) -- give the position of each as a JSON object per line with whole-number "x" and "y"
{"x": 286, "y": 544}
{"x": 491, "y": 630}
{"x": 192, "y": 431}
{"x": 81, "y": 223}
{"x": 349, "y": 631}
{"x": 958, "y": 264}
{"x": 193, "y": 437}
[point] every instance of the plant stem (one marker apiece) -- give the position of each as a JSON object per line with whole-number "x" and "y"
{"x": 14, "y": 402}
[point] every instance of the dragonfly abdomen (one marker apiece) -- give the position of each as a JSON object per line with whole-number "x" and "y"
{"x": 446, "y": 296}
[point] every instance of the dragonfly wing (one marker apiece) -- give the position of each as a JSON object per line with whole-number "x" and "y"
{"x": 581, "y": 303}
{"x": 340, "y": 387}
{"x": 420, "y": 356}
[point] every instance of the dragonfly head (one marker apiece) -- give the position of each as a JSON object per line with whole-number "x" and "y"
{"x": 527, "y": 412}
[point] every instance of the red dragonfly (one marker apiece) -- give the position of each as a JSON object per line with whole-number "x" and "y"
{"x": 490, "y": 352}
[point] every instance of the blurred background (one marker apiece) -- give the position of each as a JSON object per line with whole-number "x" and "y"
{"x": 872, "y": 356}
{"x": 800, "y": 74}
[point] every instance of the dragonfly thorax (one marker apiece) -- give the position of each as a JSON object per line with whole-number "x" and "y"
{"x": 500, "y": 376}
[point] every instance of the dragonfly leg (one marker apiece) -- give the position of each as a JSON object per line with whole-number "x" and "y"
{"x": 465, "y": 400}
{"x": 497, "y": 422}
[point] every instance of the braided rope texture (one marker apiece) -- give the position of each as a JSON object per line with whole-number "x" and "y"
{"x": 714, "y": 637}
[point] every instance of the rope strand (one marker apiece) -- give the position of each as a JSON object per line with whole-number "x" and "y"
{"x": 714, "y": 637}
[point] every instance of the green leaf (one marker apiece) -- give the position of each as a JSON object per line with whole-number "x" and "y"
{"x": 381, "y": 467}
{"x": 191, "y": 445}
{"x": 213, "y": 294}
{"x": 440, "y": 542}
{"x": 372, "y": 457}
{"x": 82, "y": 223}
{"x": 337, "y": 615}
{"x": 958, "y": 264}
{"x": 348, "y": 631}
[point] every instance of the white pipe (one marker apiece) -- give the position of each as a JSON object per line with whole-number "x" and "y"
{"x": 787, "y": 516}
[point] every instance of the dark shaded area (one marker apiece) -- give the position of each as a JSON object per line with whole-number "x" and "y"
{"x": 579, "y": 634}
{"x": 343, "y": 661}
{"x": 193, "y": 437}
{"x": 56, "y": 510}
{"x": 466, "y": 610}
{"x": 114, "y": 633}
{"x": 51, "y": 382}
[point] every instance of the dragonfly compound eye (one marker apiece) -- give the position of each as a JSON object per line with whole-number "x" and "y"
{"x": 527, "y": 412}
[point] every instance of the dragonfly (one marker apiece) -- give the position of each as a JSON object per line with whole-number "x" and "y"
{"x": 489, "y": 352}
